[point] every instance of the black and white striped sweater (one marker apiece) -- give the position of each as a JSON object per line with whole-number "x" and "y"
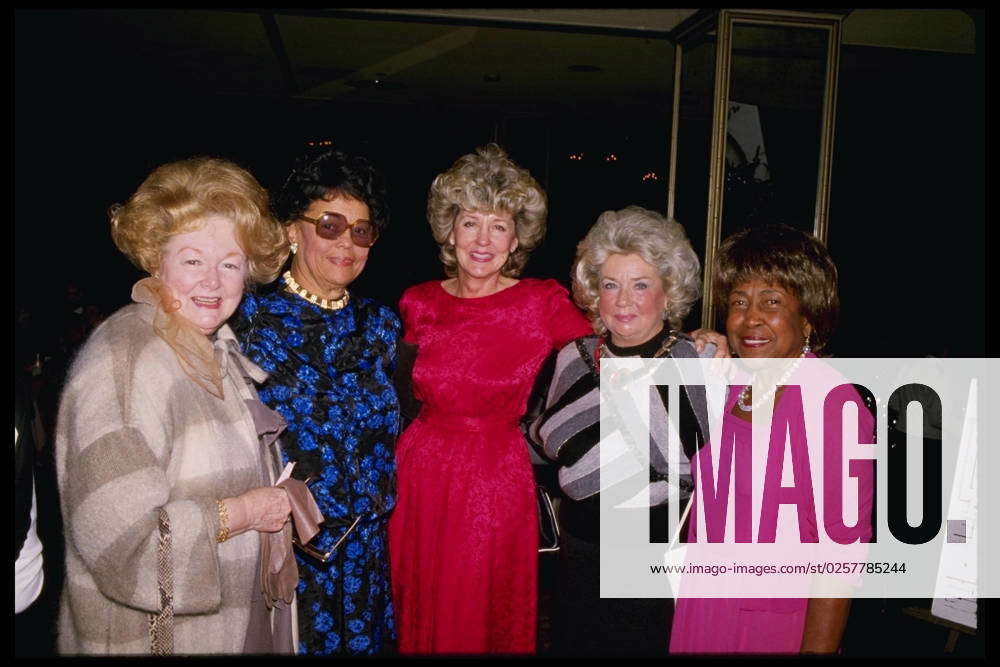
{"x": 568, "y": 431}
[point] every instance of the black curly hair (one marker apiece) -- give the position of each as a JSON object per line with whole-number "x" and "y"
{"x": 318, "y": 174}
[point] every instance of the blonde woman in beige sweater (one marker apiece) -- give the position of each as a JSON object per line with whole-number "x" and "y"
{"x": 166, "y": 459}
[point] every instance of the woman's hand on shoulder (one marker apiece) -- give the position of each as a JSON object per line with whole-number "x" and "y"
{"x": 703, "y": 337}
{"x": 265, "y": 509}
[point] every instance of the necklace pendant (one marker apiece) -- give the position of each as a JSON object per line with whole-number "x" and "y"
{"x": 741, "y": 400}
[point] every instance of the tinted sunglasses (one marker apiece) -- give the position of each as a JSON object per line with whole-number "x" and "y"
{"x": 331, "y": 225}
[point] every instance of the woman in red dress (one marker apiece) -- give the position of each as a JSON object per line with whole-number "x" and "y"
{"x": 463, "y": 539}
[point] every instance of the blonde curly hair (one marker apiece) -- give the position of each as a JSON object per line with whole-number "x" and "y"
{"x": 177, "y": 197}
{"x": 489, "y": 181}
{"x": 660, "y": 242}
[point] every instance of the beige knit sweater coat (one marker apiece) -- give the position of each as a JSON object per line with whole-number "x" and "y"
{"x": 136, "y": 435}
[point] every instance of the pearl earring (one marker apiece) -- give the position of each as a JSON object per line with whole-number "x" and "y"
{"x": 295, "y": 248}
{"x": 806, "y": 349}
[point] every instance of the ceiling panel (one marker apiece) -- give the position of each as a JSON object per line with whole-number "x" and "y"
{"x": 950, "y": 30}
{"x": 654, "y": 20}
{"x": 339, "y": 58}
{"x": 427, "y": 63}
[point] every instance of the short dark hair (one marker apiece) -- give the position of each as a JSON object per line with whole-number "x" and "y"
{"x": 785, "y": 256}
{"x": 323, "y": 174}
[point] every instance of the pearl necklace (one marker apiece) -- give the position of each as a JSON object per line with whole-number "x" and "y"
{"x": 327, "y": 304}
{"x": 741, "y": 402}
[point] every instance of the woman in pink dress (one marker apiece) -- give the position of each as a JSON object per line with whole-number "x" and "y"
{"x": 463, "y": 539}
{"x": 778, "y": 288}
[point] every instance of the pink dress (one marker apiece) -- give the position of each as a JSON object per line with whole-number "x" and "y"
{"x": 750, "y": 625}
{"x": 463, "y": 538}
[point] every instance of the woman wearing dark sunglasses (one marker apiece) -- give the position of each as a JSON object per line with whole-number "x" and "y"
{"x": 330, "y": 354}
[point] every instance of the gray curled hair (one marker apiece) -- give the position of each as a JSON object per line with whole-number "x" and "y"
{"x": 488, "y": 180}
{"x": 661, "y": 243}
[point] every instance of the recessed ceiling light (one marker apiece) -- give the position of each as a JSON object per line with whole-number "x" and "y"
{"x": 381, "y": 84}
{"x": 584, "y": 68}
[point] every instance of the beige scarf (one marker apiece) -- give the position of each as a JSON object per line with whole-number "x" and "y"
{"x": 207, "y": 363}
{"x": 194, "y": 350}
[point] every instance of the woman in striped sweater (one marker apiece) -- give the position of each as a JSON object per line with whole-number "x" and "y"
{"x": 636, "y": 276}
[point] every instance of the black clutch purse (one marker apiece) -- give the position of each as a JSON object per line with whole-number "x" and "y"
{"x": 548, "y": 525}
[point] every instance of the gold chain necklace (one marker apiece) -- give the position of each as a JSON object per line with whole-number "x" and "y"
{"x": 326, "y": 304}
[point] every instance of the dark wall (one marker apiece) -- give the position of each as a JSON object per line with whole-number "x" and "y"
{"x": 907, "y": 217}
{"x": 908, "y": 189}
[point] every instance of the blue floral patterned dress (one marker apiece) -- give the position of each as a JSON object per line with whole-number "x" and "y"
{"x": 331, "y": 379}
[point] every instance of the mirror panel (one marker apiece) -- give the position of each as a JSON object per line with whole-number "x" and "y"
{"x": 772, "y": 126}
{"x": 773, "y": 122}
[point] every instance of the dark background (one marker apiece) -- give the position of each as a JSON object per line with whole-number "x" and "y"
{"x": 907, "y": 216}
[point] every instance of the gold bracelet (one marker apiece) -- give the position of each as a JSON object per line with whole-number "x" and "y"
{"x": 223, "y": 533}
